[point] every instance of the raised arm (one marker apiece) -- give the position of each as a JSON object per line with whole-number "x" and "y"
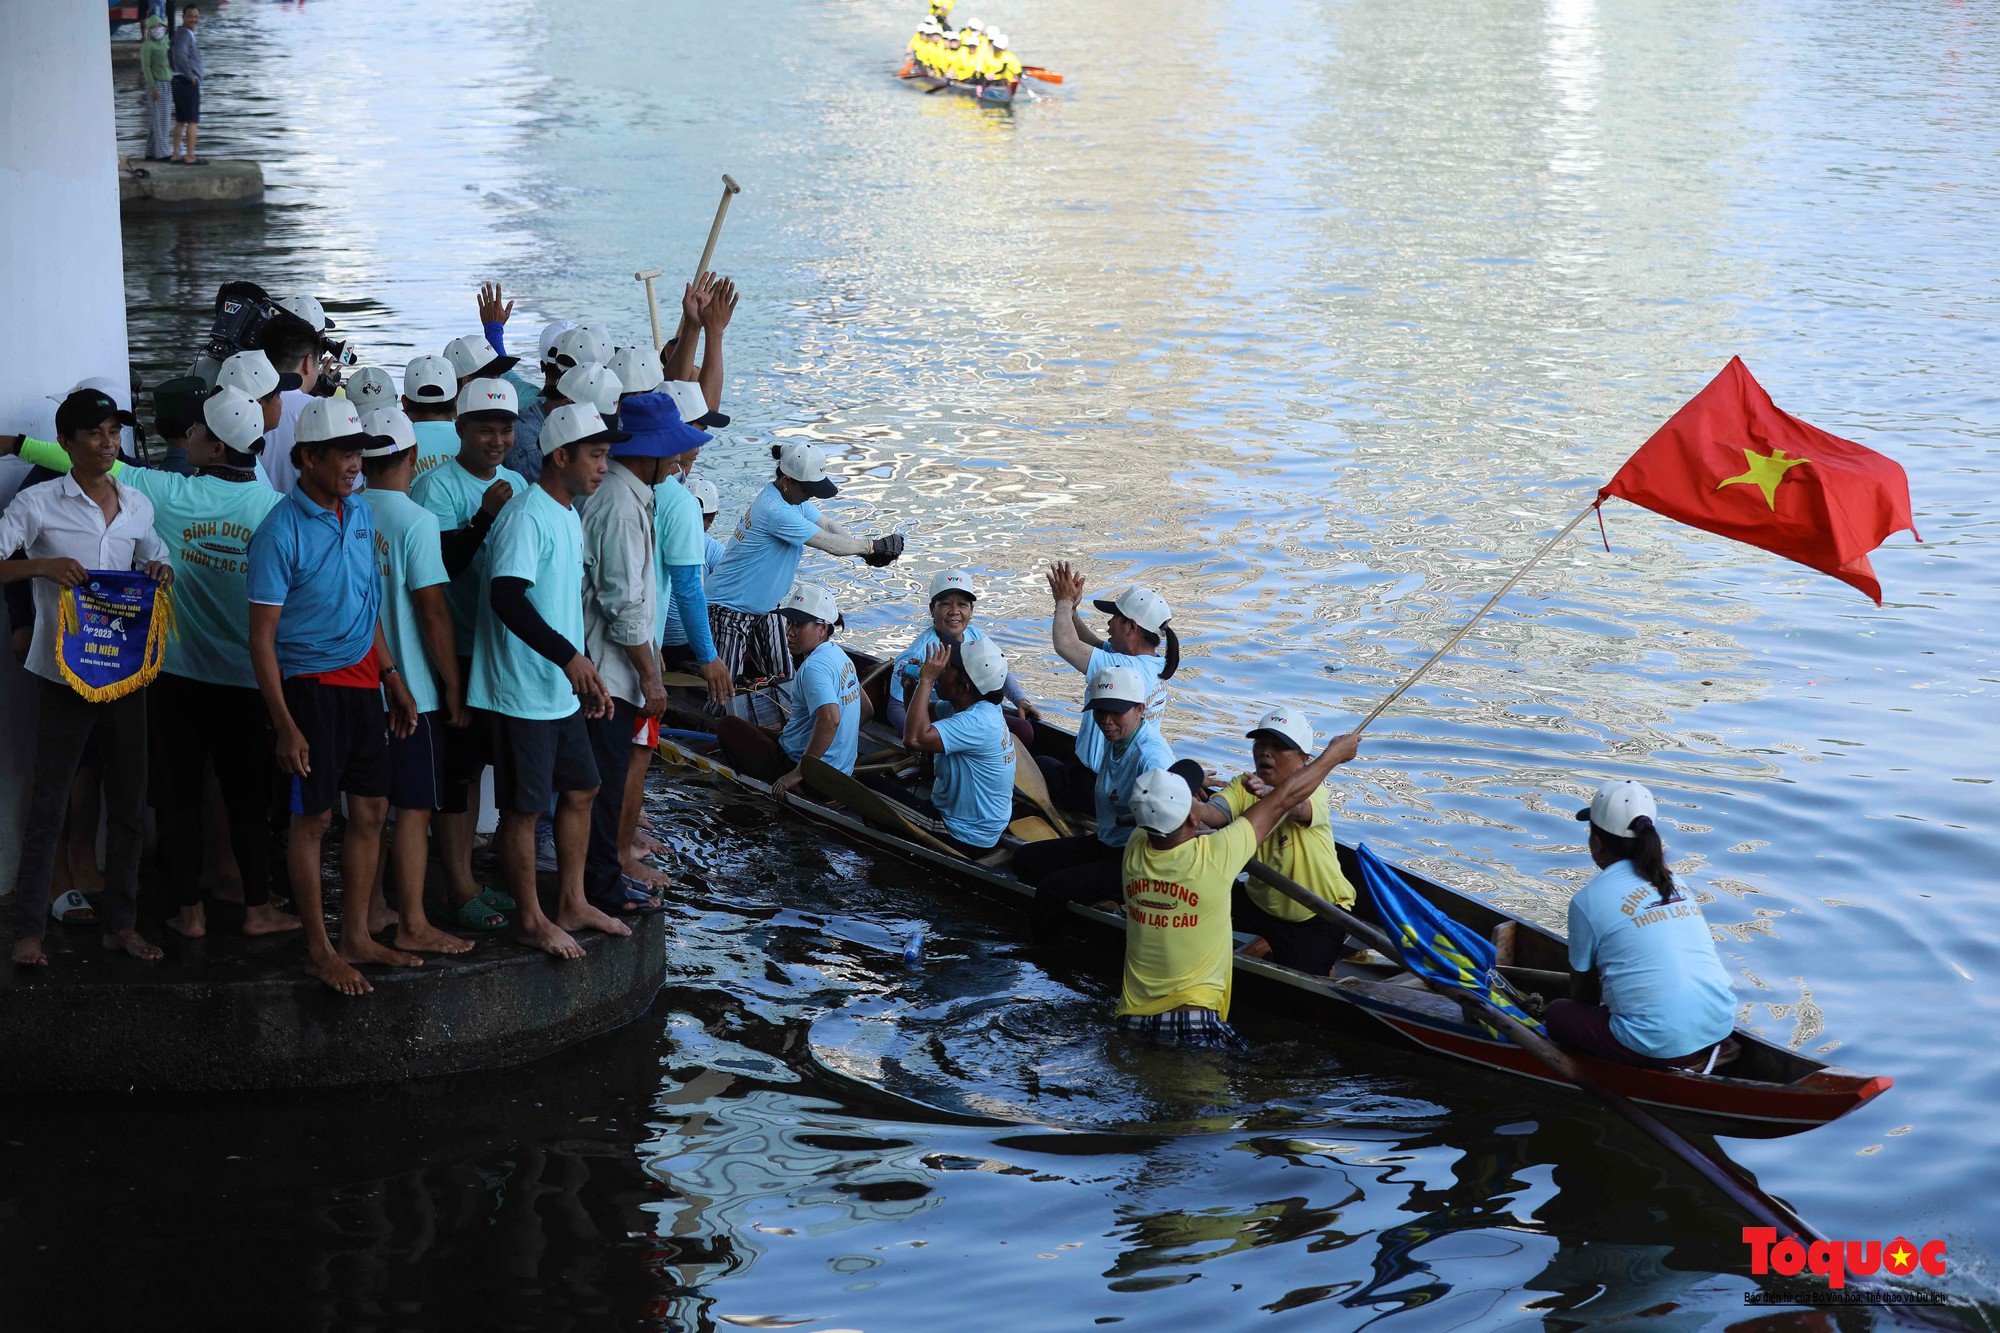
{"x": 918, "y": 732}
{"x": 1270, "y": 810}
{"x": 715, "y": 317}
{"x": 1066, "y": 586}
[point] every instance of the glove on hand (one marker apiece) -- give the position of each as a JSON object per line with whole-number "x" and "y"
{"x": 887, "y": 550}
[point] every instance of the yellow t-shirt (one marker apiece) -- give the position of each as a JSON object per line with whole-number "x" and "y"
{"x": 1304, "y": 854}
{"x": 1178, "y": 946}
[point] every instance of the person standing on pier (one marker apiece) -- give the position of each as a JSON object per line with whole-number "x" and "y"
{"x": 156, "y": 89}
{"x": 323, "y": 666}
{"x": 531, "y": 679}
{"x": 184, "y": 60}
{"x": 430, "y": 401}
{"x": 85, "y": 520}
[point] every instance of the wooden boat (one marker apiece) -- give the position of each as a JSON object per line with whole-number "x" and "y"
{"x": 1762, "y": 1091}
{"x": 991, "y": 94}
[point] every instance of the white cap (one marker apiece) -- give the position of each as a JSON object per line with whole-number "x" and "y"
{"x": 1118, "y": 685}
{"x": 1288, "y": 723}
{"x": 576, "y": 346}
{"x": 1140, "y": 604}
{"x": 546, "y": 344}
{"x": 325, "y": 420}
{"x": 308, "y": 309}
{"x": 592, "y": 384}
{"x": 809, "y": 601}
{"x": 118, "y": 392}
{"x": 997, "y": 38}
{"x": 576, "y": 423}
{"x": 704, "y": 491}
{"x": 488, "y": 396}
{"x": 371, "y": 387}
{"x": 234, "y": 417}
{"x": 637, "y": 368}
{"x": 472, "y": 354}
{"x": 430, "y": 379}
{"x": 805, "y": 463}
{"x": 1617, "y": 804}
{"x": 250, "y": 371}
{"x": 985, "y": 665}
{"x": 976, "y": 26}
{"x": 688, "y": 398}
{"x": 952, "y": 580}
{"x": 1160, "y": 801}
{"x": 392, "y": 432}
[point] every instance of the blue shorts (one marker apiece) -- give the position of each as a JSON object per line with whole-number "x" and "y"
{"x": 187, "y": 100}
{"x": 416, "y": 766}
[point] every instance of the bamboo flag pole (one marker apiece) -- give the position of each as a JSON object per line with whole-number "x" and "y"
{"x": 1477, "y": 616}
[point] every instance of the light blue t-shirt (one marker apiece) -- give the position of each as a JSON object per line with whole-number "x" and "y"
{"x": 454, "y": 495}
{"x": 677, "y": 540}
{"x": 911, "y": 660}
{"x": 1145, "y": 751}
{"x": 319, "y": 566}
{"x": 541, "y": 540}
{"x": 406, "y": 551}
{"x": 974, "y": 791}
{"x": 437, "y": 444}
{"x": 1662, "y": 981}
{"x": 825, "y": 677}
{"x": 207, "y": 522}
{"x": 763, "y": 557}
{"x": 1089, "y": 740}
{"x": 670, "y": 632}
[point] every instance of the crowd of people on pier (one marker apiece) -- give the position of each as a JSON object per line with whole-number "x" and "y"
{"x": 389, "y": 586}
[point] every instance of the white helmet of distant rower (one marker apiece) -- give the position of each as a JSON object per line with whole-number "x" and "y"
{"x": 976, "y": 25}
{"x": 1140, "y": 604}
{"x": 1616, "y": 804}
{"x": 952, "y": 580}
{"x": 1160, "y": 801}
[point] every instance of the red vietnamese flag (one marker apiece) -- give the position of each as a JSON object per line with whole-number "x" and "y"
{"x": 1731, "y": 463}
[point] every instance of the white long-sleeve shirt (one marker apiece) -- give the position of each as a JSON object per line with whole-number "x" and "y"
{"x": 56, "y": 520}
{"x": 620, "y": 584}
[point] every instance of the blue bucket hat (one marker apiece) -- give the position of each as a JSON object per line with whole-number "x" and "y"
{"x": 656, "y": 428}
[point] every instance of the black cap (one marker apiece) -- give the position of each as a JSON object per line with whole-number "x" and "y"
{"x": 89, "y": 407}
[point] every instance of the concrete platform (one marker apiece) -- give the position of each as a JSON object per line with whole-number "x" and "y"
{"x": 170, "y": 187}
{"x": 226, "y": 1012}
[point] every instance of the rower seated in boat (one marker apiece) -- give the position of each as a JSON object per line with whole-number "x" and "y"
{"x": 824, "y": 717}
{"x": 952, "y": 600}
{"x": 973, "y": 794}
{"x": 1179, "y": 945}
{"x": 1140, "y": 622}
{"x": 1646, "y": 985}
{"x": 1301, "y": 848}
{"x": 1086, "y": 869}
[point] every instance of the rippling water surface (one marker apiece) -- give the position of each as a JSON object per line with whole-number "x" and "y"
{"x": 1318, "y": 317}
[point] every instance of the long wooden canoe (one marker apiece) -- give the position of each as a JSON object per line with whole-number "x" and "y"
{"x": 991, "y": 94}
{"x": 1764, "y": 1091}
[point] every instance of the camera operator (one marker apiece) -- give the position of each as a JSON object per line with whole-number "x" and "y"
{"x": 293, "y": 345}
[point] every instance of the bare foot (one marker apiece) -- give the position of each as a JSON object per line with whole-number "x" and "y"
{"x": 645, "y": 844}
{"x": 380, "y": 918}
{"x": 267, "y": 920}
{"x": 1257, "y": 948}
{"x": 368, "y": 951}
{"x": 338, "y": 975}
{"x": 642, "y": 873}
{"x": 132, "y": 942}
{"x": 191, "y": 922}
{"x": 550, "y": 938}
{"x": 589, "y": 918}
{"x": 429, "y": 939}
{"x": 28, "y": 953}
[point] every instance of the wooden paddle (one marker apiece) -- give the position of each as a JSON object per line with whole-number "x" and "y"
{"x": 1030, "y": 782}
{"x": 682, "y": 680}
{"x": 1032, "y": 828}
{"x": 1759, "y": 1205}
{"x": 1045, "y": 75}
{"x": 871, "y": 805}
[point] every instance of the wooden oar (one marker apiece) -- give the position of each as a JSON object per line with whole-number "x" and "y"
{"x": 730, "y": 189}
{"x": 1759, "y": 1205}
{"x": 682, "y": 680}
{"x": 1045, "y": 75}
{"x": 870, "y": 804}
{"x": 1031, "y": 782}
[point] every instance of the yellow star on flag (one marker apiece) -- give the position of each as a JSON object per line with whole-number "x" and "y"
{"x": 1900, "y": 1257}
{"x": 1765, "y": 472}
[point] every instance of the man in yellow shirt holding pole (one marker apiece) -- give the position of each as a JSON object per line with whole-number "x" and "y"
{"x": 1179, "y": 956}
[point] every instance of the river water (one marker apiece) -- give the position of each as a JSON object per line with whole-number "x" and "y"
{"x": 1318, "y": 317}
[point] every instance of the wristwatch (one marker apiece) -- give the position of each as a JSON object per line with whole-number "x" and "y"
{"x": 391, "y": 669}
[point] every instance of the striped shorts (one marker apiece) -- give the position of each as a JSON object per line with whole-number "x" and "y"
{"x": 751, "y": 645}
{"x": 1197, "y": 1029}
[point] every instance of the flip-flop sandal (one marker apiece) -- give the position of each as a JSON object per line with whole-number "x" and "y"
{"x": 72, "y": 909}
{"x": 474, "y": 914}
{"x": 498, "y": 901}
{"x": 630, "y": 900}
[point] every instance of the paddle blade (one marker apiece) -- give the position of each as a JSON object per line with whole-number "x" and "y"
{"x": 1045, "y": 75}
{"x": 1032, "y": 828}
{"x": 1030, "y": 783}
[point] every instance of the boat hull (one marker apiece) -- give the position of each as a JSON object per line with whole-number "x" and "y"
{"x": 989, "y": 94}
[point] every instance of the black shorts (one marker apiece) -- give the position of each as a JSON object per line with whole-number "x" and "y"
{"x": 1312, "y": 946}
{"x": 187, "y": 100}
{"x": 533, "y": 760}
{"x": 416, "y": 765}
{"x": 347, "y": 736}
{"x": 467, "y": 752}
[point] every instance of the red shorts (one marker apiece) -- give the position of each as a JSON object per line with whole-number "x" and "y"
{"x": 646, "y": 732}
